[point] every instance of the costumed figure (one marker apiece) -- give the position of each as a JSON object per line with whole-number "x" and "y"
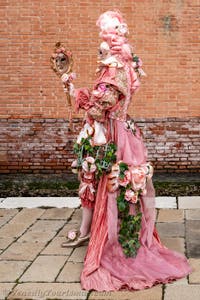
{"x": 116, "y": 190}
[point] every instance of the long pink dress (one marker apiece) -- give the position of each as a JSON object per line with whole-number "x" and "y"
{"x": 106, "y": 267}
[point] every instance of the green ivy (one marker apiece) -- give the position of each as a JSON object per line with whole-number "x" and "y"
{"x": 104, "y": 155}
{"x": 130, "y": 225}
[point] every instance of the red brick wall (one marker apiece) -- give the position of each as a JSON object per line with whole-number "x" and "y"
{"x": 165, "y": 35}
{"x": 45, "y": 145}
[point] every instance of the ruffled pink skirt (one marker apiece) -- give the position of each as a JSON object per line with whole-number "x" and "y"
{"x": 105, "y": 266}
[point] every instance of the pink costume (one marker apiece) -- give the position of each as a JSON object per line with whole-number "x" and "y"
{"x": 106, "y": 267}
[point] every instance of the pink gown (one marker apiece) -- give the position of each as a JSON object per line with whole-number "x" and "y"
{"x": 106, "y": 268}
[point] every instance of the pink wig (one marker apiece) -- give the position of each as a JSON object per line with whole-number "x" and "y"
{"x": 109, "y": 18}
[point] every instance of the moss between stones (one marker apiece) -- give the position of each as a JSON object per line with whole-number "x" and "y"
{"x": 177, "y": 189}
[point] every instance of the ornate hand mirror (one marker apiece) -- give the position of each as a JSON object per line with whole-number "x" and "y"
{"x": 62, "y": 62}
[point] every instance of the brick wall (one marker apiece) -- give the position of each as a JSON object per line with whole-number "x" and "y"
{"x": 165, "y": 35}
{"x": 45, "y": 145}
{"x": 33, "y": 111}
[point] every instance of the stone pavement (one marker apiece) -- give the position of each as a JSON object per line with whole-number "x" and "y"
{"x": 34, "y": 266}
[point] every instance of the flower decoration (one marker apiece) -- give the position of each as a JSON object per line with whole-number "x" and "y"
{"x": 71, "y": 235}
{"x": 74, "y": 166}
{"x": 137, "y": 65}
{"x": 131, "y": 183}
{"x": 126, "y": 178}
{"x": 88, "y": 165}
{"x": 138, "y": 178}
{"x": 62, "y": 62}
{"x": 131, "y": 196}
{"x": 87, "y": 131}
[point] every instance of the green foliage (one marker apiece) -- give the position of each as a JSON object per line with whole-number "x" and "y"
{"x": 104, "y": 155}
{"x": 122, "y": 168}
{"x": 135, "y": 58}
{"x": 130, "y": 225}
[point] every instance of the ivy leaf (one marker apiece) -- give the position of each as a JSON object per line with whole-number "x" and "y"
{"x": 121, "y": 206}
{"x": 123, "y": 167}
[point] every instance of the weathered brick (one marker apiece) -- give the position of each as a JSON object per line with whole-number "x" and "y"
{"x": 32, "y": 95}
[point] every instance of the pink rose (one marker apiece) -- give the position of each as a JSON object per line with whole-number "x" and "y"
{"x": 145, "y": 168}
{"x": 74, "y": 167}
{"x": 90, "y": 159}
{"x": 138, "y": 178}
{"x": 131, "y": 196}
{"x": 126, "y": 179}
{"x": 71, "y": 235}
{"x": 72, "y": 76}
{"x": 65, "y": 77}
{"x": 89, "y": 165}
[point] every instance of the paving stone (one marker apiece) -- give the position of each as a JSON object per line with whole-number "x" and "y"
{"x": 57, "y": 213}
{"x": 22, "y": 251}
{"x": 11, "y": 270}
{"x": 19, "y": 223}
{"x": 44, "y": 268}
{"x": 182, "y": 292}
{"x": 176, "y": 244}
{"x": 170, "y": 229}
{"x": 171, "y": 215}
{"x": 47, "y": 225}
{"x": 41, "y": 291}
{"x": 37, "y": 236}
{"x": 77, "y": 216}
{"x": 166, "y": 202}
{"x": 78, "y": 254}
{"x": 154, "y": 293}
{"x": 5, "y": 242}
{"x": 189, "y": 202}
{"x": 27, "y": 216}
{"x": 8, "y": 212}
{"x": 6, "y": 215}
{"x": 5, "y": 289}
{"x": 193, "y": 214}
{"x": 193, "y": 238}
{"x": 32, "y": 202}
{"x": 182, "y": 281}
{"x": 71, "y": 272}
{"x": 54, "y": 247}
{"x": 194, "y": 277}
{"x": 12, "y": 230}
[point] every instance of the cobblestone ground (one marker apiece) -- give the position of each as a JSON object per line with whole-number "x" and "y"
{"x": 34, "y": 266}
